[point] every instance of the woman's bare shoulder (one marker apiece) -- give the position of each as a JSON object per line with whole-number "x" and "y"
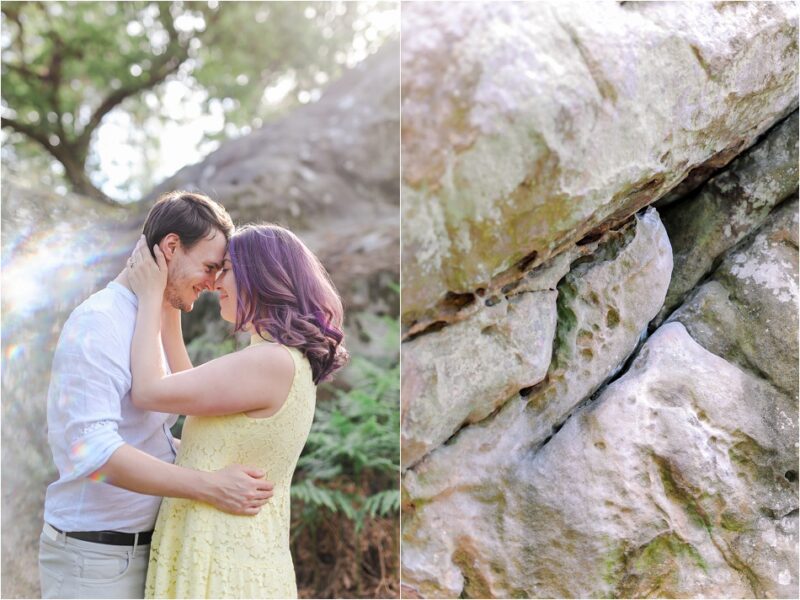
{"x": 272, "y": 359}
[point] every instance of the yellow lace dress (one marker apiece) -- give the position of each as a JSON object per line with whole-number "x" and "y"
{"x": 201, "y": 552}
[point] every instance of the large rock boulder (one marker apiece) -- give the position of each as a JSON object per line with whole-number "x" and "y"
{"x": 331, "y": 161}
{"x": 528, "y": 125}
{"x": 663, "y": 486}
{"x": 605, "y": 303}
{"x": 634, "y": 466}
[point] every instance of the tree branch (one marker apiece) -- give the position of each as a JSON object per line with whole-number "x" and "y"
{"x": 54, "y": 78}
{"x": 19, "y": 41}
{"x": 66, "y": 154}
{"x": 25, "y": 71}
{"x": 117, "y": 97}
{"x": 30, "y": 131}
{"x": 168, "y": 63}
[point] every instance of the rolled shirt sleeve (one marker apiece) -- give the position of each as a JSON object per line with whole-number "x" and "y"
{"x": 89, "y": 378}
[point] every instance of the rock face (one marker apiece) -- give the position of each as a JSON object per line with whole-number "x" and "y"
{"x": 649, "y": 448}
{"x": 729, "y": 206}
{"x": 605, "y": 303}
{"x": 464, "y": 372}
{"x": 747, "y": 311}
{"x": 662, "y": 487}
{"x": 528, "y": 125}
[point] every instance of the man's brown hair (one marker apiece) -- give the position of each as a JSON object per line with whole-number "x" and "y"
{"x": 189, "y": 215}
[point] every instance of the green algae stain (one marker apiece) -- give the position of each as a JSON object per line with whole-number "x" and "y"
{"x": 730, "y": 523}
{"x": 475, "y": 583}
{"x": 681, "y": 493}
{"x": 569, "y": 288}
{"x": 664, "y": 549}
{"x": 490, "y": 234}
{"x": 649, "y": 571}
{"x": 614, "y": 564}
{"x": 753, "y": 460}
{"x": 567, "y": 321}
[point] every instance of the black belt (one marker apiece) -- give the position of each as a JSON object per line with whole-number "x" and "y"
{"x": 114, "y": 538}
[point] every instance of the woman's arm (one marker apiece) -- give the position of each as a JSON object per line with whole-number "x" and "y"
{"x": 172, "y": 338}
{"x": 251, "y": 379}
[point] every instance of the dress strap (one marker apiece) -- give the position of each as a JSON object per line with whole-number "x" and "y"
{"x": 257, "y": 339}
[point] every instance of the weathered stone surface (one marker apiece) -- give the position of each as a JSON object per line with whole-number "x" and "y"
{"x": 527, "y": 125}
{"x": 747, "y": 312}
{"x": 680, "y": 480}
{"x": 728, "y": 207}
{"x": 463, "y": 373}
{"x": 604, "y": 305}
{"x": 467, "y": 370}
{"x": 533, "y": 131}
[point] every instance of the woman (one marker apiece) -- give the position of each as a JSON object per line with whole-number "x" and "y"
{"x": 251, "y": 407}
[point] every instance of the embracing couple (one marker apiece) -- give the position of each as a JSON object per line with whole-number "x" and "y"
{"x": 121, "y": 375}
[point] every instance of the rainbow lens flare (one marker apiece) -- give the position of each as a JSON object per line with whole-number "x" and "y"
{"x": 79, "y": 450}
{"x": 98, "y": 476}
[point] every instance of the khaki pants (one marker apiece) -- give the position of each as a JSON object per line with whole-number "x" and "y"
{"x": 70, "y": 568}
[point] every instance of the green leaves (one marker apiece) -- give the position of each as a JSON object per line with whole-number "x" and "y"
{"x": 383, "y": 503}
{"x": 358, "y": 431}
{"x": 333, "y": 500}
{"x": 351, "y": 462}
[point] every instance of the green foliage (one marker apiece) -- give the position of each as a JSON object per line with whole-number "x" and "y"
{"x": 351, "y": 462}
{"x": 383, "y": 504}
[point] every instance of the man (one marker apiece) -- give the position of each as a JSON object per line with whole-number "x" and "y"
{"x": 95, "y": 539}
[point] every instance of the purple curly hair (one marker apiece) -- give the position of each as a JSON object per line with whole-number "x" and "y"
{"x": 283, "y": 290}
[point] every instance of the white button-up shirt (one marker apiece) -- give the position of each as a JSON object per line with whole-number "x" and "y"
{"x": 90, "y": 415}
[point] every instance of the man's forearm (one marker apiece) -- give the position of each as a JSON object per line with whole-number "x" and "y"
{"x": 137, "y": 471}
{"x": 236, "y": 489}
